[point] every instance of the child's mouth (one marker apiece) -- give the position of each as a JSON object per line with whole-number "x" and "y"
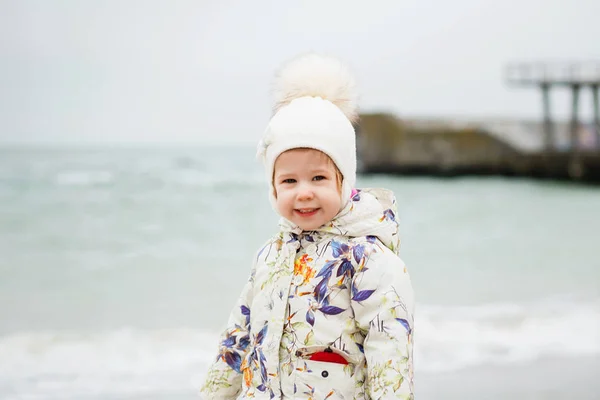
{"x": 306, "y": 212}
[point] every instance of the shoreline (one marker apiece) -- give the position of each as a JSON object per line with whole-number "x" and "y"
{"x": 556, "y": 378}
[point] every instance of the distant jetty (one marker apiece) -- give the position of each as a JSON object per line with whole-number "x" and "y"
{"x": 545, "y": 149}
{"x": 437, "y": 147}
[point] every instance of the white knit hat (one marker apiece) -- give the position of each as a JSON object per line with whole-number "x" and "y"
{"x": 315, "y": 106}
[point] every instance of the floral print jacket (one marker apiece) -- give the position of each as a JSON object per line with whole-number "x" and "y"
{"x": 341, "y": 289}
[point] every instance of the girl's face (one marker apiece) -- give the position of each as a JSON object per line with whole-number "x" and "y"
{"x": 307, "y": 188}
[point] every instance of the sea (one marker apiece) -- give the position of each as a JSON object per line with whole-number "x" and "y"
{"x": 119, "y": 266}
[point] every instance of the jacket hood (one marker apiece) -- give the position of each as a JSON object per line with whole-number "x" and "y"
{"x": 370, "y": 212}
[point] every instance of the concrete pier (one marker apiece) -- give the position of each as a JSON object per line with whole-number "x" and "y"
{"x": 568, "y": 150}
{"x": 386, "y": 144}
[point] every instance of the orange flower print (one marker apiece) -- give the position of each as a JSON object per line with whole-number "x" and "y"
{"x": 248, "y": 376}
{"x": 302, "y": 268}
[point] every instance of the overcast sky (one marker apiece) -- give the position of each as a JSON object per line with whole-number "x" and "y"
{"x": 197, "y": 71}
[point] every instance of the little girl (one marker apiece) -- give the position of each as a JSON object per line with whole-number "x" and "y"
{"x": 327, "y": 312}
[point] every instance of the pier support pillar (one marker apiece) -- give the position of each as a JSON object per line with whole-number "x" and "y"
{"x": 548, "y": 127}
{"x": 574, "y": 144}
{"x": 596, "y": 115}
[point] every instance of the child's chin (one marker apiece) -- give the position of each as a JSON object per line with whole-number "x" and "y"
{"x": 307, "y": 227}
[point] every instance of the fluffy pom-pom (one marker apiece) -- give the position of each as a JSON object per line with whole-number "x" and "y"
{"x": 316, "y": 75}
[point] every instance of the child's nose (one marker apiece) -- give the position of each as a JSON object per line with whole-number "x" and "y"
{"x": 305, "y": 192}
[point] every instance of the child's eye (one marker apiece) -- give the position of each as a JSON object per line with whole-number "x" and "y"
{"x": 289, "y": 180}
{"x": 319, "y": 178}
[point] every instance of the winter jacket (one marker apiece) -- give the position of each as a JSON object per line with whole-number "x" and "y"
{"x": 340, "y": 289}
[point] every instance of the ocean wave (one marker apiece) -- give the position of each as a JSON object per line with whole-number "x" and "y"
{"x": 115, "y": 363}
{"x": 452, "y": 338}
{"x": 446, "y": 338}
{"x": 180, "y": 177}
{"x": 192, "y": 177}
{"x": 84, "y": 178}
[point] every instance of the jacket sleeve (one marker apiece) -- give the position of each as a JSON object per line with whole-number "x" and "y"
{"x": 224, "y": 376}
{"x": 383, "y": 304}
